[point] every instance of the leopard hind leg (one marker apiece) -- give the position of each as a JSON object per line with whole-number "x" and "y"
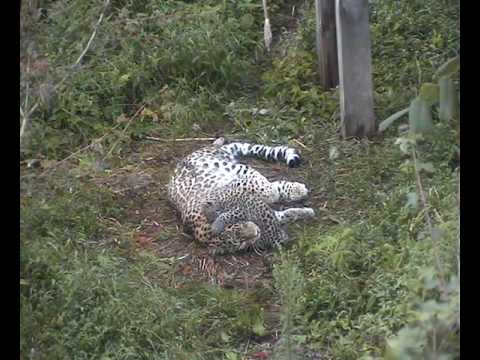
{"x": 294, "y": 214}
{"x": 272, "y": 191}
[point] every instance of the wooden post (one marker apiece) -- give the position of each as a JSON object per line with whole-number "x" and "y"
{"x": 326, "y": 43}
{"x": 355, "y": 68}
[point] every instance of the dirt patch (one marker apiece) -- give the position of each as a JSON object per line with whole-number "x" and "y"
{"x": 140, "y": 184}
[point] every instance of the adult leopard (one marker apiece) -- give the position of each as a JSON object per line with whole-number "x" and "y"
{"x": 227, "y": 205}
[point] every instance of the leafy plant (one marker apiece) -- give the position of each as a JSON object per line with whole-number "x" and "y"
{"x": 434, "y": 333}
{"x": 443, "y": 93}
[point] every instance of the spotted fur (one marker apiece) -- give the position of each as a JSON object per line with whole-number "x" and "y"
{"x": 273, "y": 153}
{"x": 226, "y": 204}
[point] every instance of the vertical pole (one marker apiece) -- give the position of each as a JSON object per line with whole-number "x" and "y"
{"x": 355, "y": 68}
{"x": 326, "y": 43}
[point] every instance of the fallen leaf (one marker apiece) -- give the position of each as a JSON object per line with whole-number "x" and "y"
{"x": 261, "y": 355}
{"x": 143, "y": 240}
{"x": 187, "y": 270}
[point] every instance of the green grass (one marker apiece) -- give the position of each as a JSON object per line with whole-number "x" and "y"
{"x": 81, "y": 296}
{"x": 368, "y": 265}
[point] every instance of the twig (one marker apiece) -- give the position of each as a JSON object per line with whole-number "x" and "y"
{"x": 267, "y": 32}
{"x": 24, "y": 124}
{"x": 265, "y": 9}
{"x": 419, "y": 72}
{"x": 25, "y": 118}
{"x": 423, "y": 198}
{"x": 421, "y": 191}
{"x": 22, "y": 129}
{"x": 94, "y": 142}
{"x": 245, "y": 352}
{"x": 178, "y": 15}
{"x": 87, "y": 47}
{"x": 178, "y": 140}
{"x": 34, "y": 107}
{"x": 28, "y": 87}
{"x": 107, "y": 2}
{"x": 140, "y": 109}
{"x": 74, "y": 66}
{"x": 302, "y": 145}
{"x": 458, "y": 248}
